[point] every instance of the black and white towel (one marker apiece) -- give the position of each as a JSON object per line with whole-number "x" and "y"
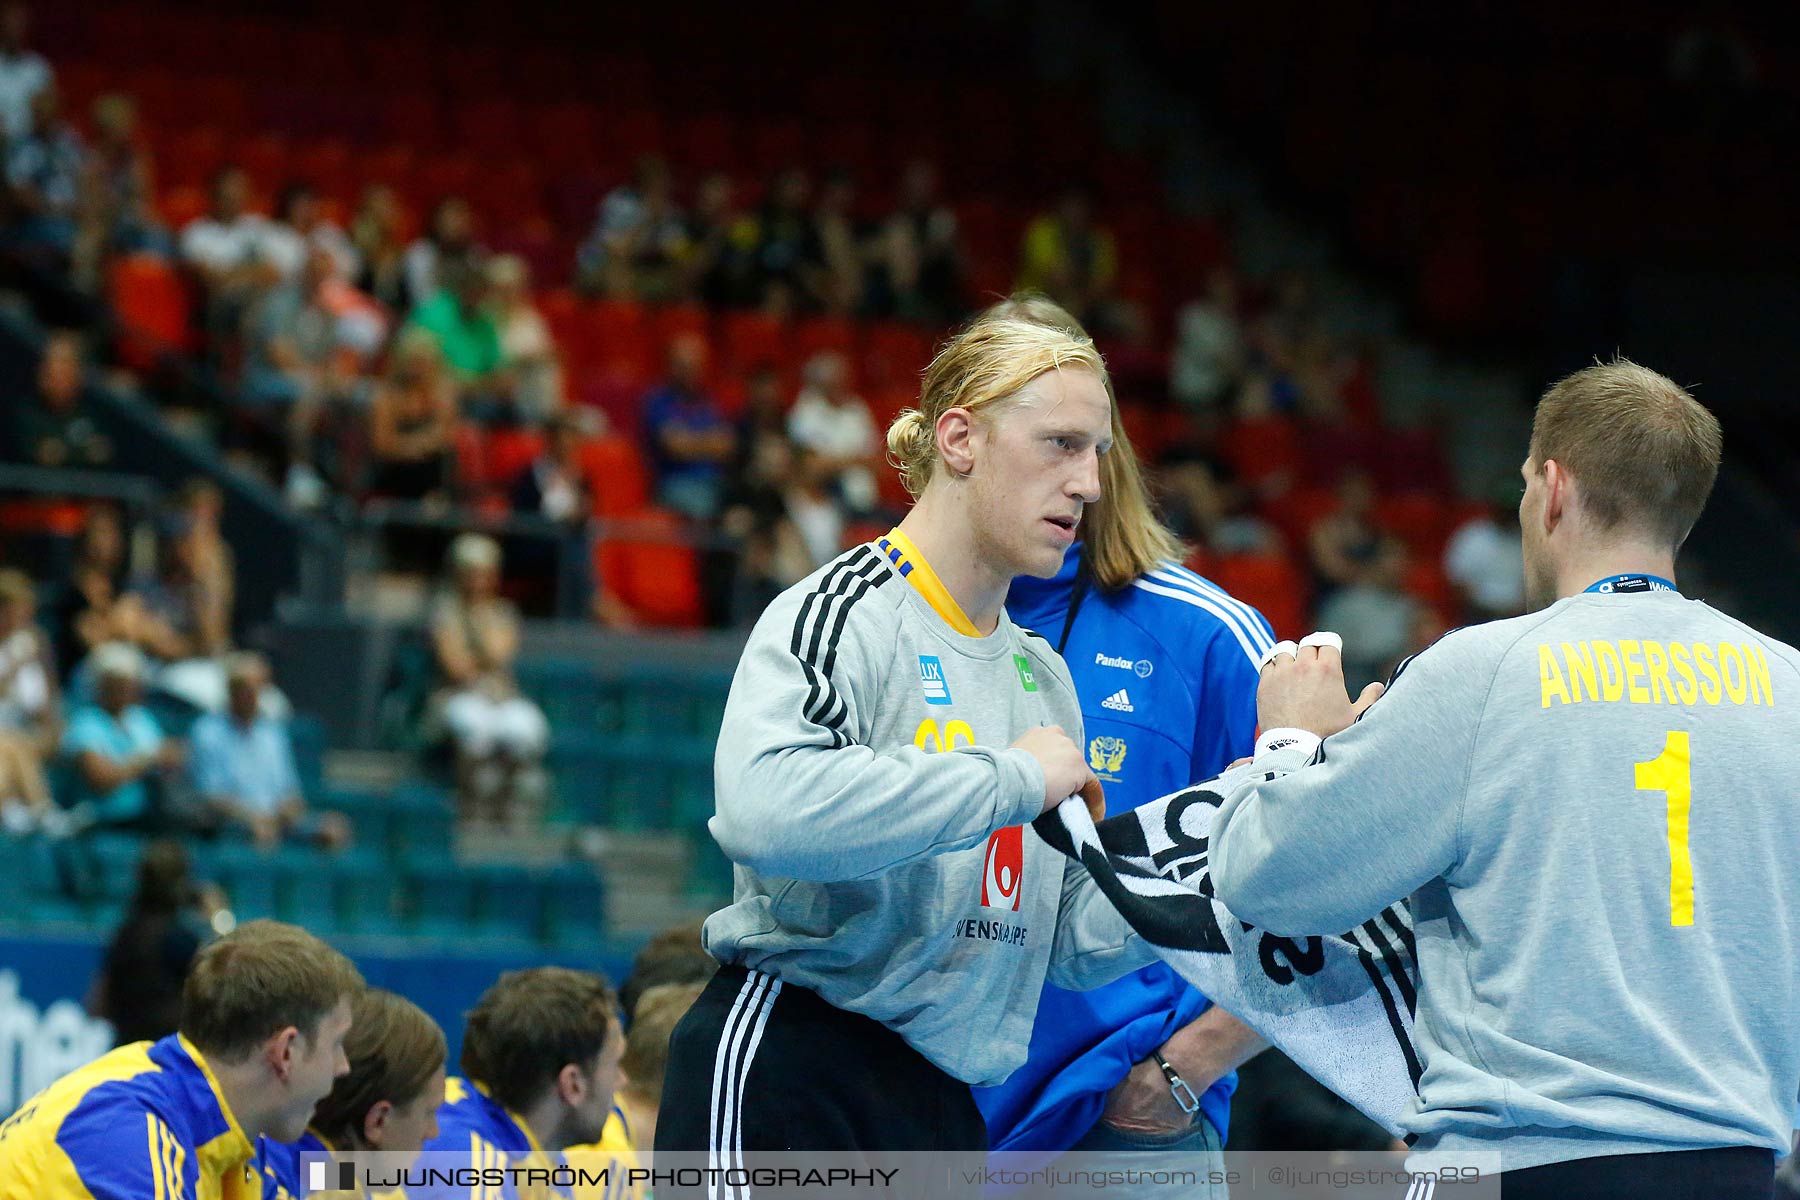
{"x": 1340, "y": 1007}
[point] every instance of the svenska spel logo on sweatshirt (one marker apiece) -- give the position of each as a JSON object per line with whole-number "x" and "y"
{"x": 1004, "y": 869}
{"x": 931, "y": 678}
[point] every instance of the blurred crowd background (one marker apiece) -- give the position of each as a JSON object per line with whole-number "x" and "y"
{"x": 408, "y": 406}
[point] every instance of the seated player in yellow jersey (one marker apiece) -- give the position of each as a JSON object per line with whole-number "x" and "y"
{"x": 388, "y": 1102}
{"x": 540, "y": 1059}
{"x": 264, "y": 1014}
{"x": 630, "y": 1132}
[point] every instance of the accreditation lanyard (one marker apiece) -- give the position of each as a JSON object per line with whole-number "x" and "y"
{"x": 1625, "y": 585}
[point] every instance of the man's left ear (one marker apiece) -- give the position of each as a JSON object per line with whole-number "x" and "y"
{"x": 281, "y": 1050}
{"x": 571, "y": 1084}
{"x": 375, "y": 1122}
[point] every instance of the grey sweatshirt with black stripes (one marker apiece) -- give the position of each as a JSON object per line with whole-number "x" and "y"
{"x": 875, "y": 815}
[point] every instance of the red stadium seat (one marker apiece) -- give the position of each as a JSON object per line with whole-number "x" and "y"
{"x": 618, "y": 480}
{"x": 509, "y": 452}
{"x": 1420, "y": 519}
{"x": 708, "y": 142}
{"x": 507, "y": 192}
{"x": 623, "y": 345}
{"x": 1270, "y": 583}
{"x": 191, "y": 157}
{"x": 1264, "y": 447}
{"x": 447, "y": 175}
{"x": 325, "y": 164}
{"x": 1298, "y": 510}
{"x": 754, "y": 339}
{"x": 179, "y": 205}
{"x": 1425, "y": 579}
{"x": 675, "y": 320}
{"x": 472, "y": 455}
{"x": 264, "y": 158}
{"x": 815, "y": 335}
{"x": 152, "y": 305}
{"x": 488, "y": 126}
{"x": 651, "y": 567}
{"x": 894, "y": 355}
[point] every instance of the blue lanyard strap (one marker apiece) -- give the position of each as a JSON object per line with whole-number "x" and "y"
{"x": 1627, "y": 584}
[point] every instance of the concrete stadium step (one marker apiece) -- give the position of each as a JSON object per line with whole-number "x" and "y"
{"x": 368, "y": 770}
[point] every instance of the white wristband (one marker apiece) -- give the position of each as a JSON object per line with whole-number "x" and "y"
{"x": 1287, "y": 739}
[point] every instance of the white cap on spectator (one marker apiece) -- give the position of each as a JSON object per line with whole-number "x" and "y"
{"x": 119, "y": 660}
{"x": 475, "y": 551}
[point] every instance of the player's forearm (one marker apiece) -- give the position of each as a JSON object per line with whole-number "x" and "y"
{"x": 1211, "y": 1046}
{"x": 826, "y": 815}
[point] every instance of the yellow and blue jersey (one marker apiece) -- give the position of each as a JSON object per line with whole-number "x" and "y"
{"x": 483, "y": 1134}
{"x": 283, "y": 1166}
{"x": 615, "y": 1153}
{"x": 279, "y": 1164}
{"x": 144, "y": 1122}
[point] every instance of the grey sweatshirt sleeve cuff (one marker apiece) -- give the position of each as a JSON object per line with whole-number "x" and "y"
{"x": 1022, "y": 788}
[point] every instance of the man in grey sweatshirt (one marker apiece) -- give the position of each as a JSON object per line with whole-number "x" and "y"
{"x": 888, "y": 735}
{"x": 1592, "y": 809}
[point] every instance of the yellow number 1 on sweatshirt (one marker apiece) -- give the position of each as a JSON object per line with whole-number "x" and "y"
{"x": 1668, "y": 772}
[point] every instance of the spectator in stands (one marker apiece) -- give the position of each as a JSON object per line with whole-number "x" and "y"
{"x": 118, "y": 192}
{"x": 831, "y": 422}
{"x": 29, "y": 723}
{"x": 230, "y": 247}
{"x": 375, "y": 235}
{"x": 836, "y": 265}
{"x": 646, "y": 1058}
{"x": 720, "y": 267}
{"x": 52, "y": 428}
{"x": 449, "y": 236}
{"x": 45, "y": 167}
{"x": 775, "y": 554}
{"x": 187, "y": 605}
{"x": 300, "y": 227}
{"x": 639, "y": 239}
{"x": 89, "y": 610}
{"x": 242, "y": 768}
{"x": 147, "y": 961}
{"x": 785, "y": 240}
{"x": 526, "y": 344}
{"x": 1379, "y": 622}
{"x": 1206, "y": 505}
{"x": 1484, "y": 559}
{"x": 674, "y": 955}
{"x": 1345, "y": 546}
{"x": 115, "y": 745}
{"x": 412, "y": 425}
{"x": 555, "y": 485}
{"x": 813, "y": 506}
{"x": 459, "y": 318}
{"x": 23, "y": 72}
{"x": 1071, "y": 258}
{"x": 498, "y": 735}
{"x": 1209, "y": 344}
{"x": 301, "y": 356}
{"x": 918, "y": 261}
{"x": 691, "y": 442}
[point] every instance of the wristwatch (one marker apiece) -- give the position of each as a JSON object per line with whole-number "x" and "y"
{"x": 1184, "y": 1095}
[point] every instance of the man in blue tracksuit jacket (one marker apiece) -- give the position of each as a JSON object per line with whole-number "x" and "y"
{"x": 1166, "y": 670}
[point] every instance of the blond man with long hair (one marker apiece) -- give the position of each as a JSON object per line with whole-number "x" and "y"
{"x": 1166, "y": 666}
{"x": 889, "y": 733}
